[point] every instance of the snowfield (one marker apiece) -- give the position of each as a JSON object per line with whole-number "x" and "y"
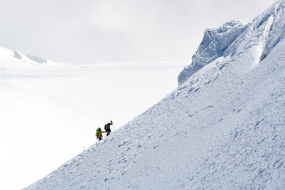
{"x": 222, "y": 128}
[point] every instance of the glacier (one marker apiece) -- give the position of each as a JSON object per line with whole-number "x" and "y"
{"x": 222, "y": 128}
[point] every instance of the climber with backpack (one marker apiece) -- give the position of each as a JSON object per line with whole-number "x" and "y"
{"x": 99, "y": 134}
{"x": 108, "y": 128}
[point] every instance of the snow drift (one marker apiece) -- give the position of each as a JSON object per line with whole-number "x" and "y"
{"x": 222, "y": 128}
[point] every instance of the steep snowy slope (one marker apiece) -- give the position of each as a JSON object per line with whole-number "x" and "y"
{"x": 223, "y": 128}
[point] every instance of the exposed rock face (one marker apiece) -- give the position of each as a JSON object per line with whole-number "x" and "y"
{"x": 17, "y": 55}
{"x": 37, "y": 59}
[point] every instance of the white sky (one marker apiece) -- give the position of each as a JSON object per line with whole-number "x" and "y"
{"x": 93, "y": 31}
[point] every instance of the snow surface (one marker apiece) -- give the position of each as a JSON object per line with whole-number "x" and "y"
{"x": 222, "y": 128}
{"x": 50, "y": 111}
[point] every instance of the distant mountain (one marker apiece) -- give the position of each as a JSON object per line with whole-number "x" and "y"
{"x": 13, "y": 59}
{"x": 222, "y": 128}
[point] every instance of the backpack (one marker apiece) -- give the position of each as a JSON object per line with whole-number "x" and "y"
{"x": 107, "y": 127}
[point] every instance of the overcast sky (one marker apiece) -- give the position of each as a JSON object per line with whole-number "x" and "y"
{"x": 96, "y": 31}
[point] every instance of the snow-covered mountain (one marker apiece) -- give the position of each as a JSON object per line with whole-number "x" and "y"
{"x": 14, "y": 60}
{"x": 222, "y": 128}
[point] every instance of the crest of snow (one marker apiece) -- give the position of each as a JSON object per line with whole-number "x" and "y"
{"x": 259, "y": 37}
{"x": 214, "y": 44}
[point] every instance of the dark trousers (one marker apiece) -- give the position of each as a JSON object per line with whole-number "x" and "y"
{"x": 108, "y": 132}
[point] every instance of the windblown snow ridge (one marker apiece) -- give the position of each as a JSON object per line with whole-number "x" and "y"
{"x": 213, "y": 46}
{"x": 233, "y": 38}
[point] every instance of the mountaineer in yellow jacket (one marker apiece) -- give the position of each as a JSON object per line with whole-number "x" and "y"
{"x": 99, "y": 134}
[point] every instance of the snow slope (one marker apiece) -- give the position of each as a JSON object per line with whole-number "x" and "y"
{"x": 222, "y": 128}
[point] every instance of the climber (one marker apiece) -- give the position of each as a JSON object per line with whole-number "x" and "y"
{"x": 108, "y": 128}
{"x": 99, "y": 133}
